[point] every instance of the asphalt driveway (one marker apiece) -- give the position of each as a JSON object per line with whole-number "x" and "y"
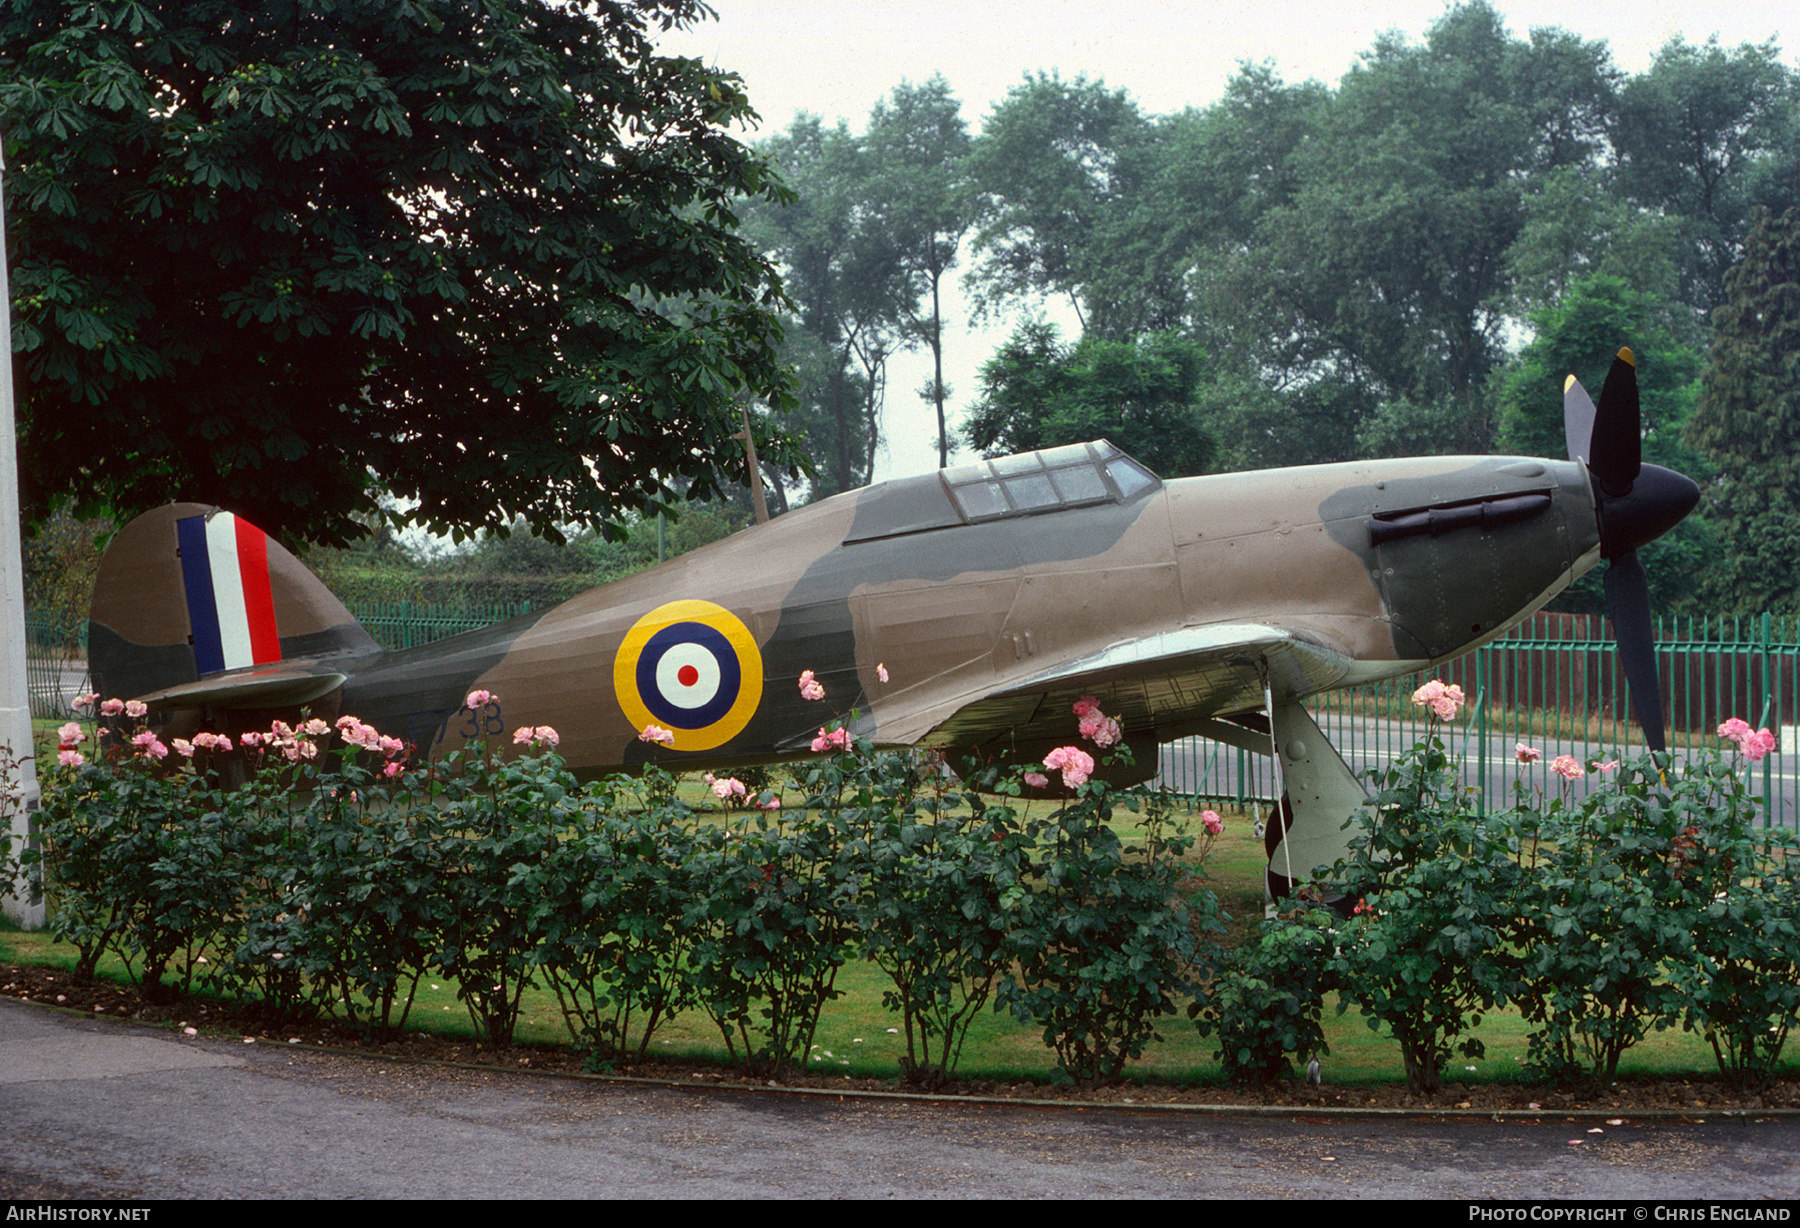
{"x": 94, "y": 1108}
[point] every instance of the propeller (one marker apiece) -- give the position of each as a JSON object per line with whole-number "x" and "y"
{"x": 1636, "y": 503}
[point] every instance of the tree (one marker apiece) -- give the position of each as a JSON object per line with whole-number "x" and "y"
{"x": 1577, "y": 225}
{"x": 1702, "y": 137}
{"x": 1579, "y": 335}
{"x": 1361, "y": 257}
{"x": 1389, "y": 266}
{"x": 1049, "y": 169}
{"x": 60, "y": 562}
{"x": 1748, "y": 417}
{"x": 918, "y": 147}
{"x": 283, "y": 254}
{"x": 1039, "y": 393}
{"x": 849, "y": 291}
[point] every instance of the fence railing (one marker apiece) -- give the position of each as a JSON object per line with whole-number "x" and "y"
{"x": 1552, "y": 683}
{"x": 408, "y": 624}
{"x": 55, "y": 667}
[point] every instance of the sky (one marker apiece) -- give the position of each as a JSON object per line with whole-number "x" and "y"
{"x": 836, "y": 59}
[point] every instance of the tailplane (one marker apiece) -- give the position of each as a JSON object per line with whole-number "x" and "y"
{"x": 194, "y": 607}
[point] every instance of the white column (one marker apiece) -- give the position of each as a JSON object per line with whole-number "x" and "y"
{"x": 15, "y": 701}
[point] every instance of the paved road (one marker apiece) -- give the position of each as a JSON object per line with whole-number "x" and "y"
{"x": 101, "y": 1109}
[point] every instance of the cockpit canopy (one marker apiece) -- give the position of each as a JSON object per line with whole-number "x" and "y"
{"x": 1027, "y": 484}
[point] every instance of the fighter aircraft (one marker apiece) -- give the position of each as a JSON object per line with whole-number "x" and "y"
{"x": 966, "y": 609}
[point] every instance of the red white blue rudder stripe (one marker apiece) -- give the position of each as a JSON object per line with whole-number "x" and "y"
{"x": 231, "y": 608}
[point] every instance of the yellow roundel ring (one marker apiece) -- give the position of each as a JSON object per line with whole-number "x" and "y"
{"x": 692, "y": 668}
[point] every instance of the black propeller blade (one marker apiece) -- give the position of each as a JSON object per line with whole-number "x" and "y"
{"x": 1637, "y": 503}
{"x": 1628, "y": 601}
{"x": 1616, "y": 450}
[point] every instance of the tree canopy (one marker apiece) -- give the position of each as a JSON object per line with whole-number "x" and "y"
{"x": 1040, "y": 393}
{"x": 286, "y": 254}
{"x": 1358, "y": 260}
{"x": 919, "y": 147}
{"x": 873, "y": 230}
{"x": 846, "y": 284}
{"x": 1748, "y": 418}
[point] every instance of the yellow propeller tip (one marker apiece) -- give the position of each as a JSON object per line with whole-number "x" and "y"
{"x": 1568, "y": 382}
{"x": 1627, "y": 355}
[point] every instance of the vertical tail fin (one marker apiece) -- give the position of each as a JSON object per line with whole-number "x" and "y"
{"x": 187, "y": 592}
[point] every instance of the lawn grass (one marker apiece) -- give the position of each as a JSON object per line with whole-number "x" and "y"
{"x": 859, "y": 1037}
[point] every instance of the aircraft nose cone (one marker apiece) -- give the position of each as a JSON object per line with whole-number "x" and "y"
{"x": 1658, "y": 500}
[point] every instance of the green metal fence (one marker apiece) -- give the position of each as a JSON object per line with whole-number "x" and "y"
{"x": 55, "y": 667}
{"x": 408, "y": 624}
{"x": 1553, "y": 684}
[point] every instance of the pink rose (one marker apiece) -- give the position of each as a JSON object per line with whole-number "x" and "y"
{"x": 881, "y": 674}
{"x": 1075, "y": 764}
{"x": 71, "y": 735}
{"x": 1210, "y": 820}
{"x": 70, "y": 758}
{"x": 358, "y": 734}
{"x": 1754, "y": 743}
{"x": 1444, "y": 701}
{"x": 810, "y": 687}
{"x": 1100, "y": 729}
{"x": 1037, "y": 780}
{"x": 1566, "y": 767}
{"x": 835, "y": 739}
{"x": 136, "y": 708}
{"x": 84, "y": 702}
{"x": 1527, "y": 754}
{"x": 1086, "y": 705}
{"x": 112, "y": 707}
{"x": 477, "y": 700}
{"x": 657, "y": 734}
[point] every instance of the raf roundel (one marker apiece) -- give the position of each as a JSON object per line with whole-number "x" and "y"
{"x": 693, "y": 668}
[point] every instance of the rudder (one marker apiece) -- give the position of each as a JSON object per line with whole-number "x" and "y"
{"x": 186, "y": 592}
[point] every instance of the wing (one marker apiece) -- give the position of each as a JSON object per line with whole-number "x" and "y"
{"x": 1171, "y": 683}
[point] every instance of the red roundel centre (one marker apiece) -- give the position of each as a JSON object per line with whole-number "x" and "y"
{"x": 687, "y": 675}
